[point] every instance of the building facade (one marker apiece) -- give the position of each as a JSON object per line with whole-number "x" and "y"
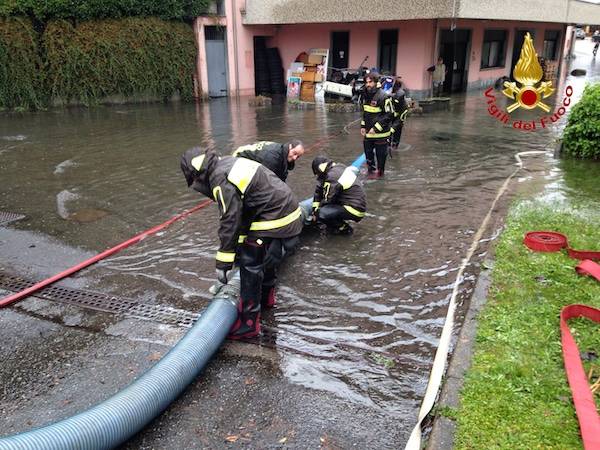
{"x": 479, "y": 40}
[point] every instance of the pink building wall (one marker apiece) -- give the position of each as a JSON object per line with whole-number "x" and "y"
{"x": 414, "y": 54}
{"x": 240, "y": 44}
{"x": 418, "y": 46}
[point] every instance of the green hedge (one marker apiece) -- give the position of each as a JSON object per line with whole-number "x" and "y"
{"x": 581, "y": 137}
{"x": 129, "y": 57}
{"x": 83, "y": 10}
{"x": 20, "y": 65}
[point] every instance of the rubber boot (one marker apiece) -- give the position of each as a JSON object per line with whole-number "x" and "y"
{"x": 343, "y": 230}
{"x": 268, "y": 297}
{"x": 248, "y": 323}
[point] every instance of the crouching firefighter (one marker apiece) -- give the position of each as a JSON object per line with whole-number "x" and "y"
{"x": 339, "y": 196}
{"x": 259, "y": 222}
{"x": 278, "y": 158}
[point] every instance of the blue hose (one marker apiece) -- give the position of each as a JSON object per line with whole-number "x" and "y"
{"x": 117, "y": 419}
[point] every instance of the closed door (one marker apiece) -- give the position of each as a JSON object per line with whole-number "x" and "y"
{"x": 216, "y": 61}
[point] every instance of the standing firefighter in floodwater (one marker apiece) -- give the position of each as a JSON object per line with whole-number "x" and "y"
{"x": 400, "y": 112}
{"x": 278, "y": 158}
{"x": 377, "y": 116}
{"x": 259, "y": 223}
{"x": 339, "y": 196}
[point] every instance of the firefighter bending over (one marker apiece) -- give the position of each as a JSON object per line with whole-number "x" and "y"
{"x": 339, "y": 196}
{"x": 259, "y": 220}
{"x": 278, "y": 158}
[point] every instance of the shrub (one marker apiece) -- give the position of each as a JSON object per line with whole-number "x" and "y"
{"x": 130, "y": 57}
{"x": 20, "y": 65}
{"x": 581, "y": 137}
{"x": 46, "y": 10}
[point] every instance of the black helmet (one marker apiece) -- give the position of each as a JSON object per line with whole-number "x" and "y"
{"x": 320, "y": 165}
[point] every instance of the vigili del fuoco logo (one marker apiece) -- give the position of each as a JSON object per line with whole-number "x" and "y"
{"x": 528, "y": 73}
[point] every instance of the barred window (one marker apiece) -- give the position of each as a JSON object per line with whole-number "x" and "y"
{"x": 493, "y": 51}
{"x": 551, "y": 38}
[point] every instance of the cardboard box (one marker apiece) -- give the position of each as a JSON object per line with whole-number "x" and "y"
{"x": 310, "y": 67}
{"x": 308, "y": 76}
{"x": 315, "y": 59}
{"x": 318, "y": 77}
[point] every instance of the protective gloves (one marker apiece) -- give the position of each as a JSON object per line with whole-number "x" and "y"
{"x": 222, "y": 275}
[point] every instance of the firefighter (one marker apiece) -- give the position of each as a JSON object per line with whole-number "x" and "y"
{"x": 377, "y": 116}
{"x": 400, "y": 112}
{"x": 279, "y": 158}
{"x": 259, "y": 223}
{"x": 339, "y": 196}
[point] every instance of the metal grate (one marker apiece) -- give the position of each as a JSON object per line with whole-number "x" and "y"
{"x": 6, "y": 217}
{"x": 103, "y": 302}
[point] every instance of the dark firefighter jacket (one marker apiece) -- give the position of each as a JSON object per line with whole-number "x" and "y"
{"x": 339, "y": 185}
{"x": 400, "y": 109}
{"x": 272, "y": 155}
{"x": 251, "y": 199}
{"x": 377, "y": 113}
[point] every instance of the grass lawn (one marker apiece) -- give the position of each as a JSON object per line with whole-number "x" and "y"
{"x": 516, "y": 394}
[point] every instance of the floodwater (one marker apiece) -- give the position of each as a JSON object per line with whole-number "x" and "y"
{"x": 358, "y": 317}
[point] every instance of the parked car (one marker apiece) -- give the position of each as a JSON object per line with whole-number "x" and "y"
{"x": 579, "y": 33}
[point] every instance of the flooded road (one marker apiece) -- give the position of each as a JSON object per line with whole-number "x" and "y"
{"x": 358, "y": 318}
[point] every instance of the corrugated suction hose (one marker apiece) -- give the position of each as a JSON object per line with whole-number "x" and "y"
{"x": 118, "y": 418}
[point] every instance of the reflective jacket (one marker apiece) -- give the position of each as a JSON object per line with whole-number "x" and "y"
{"x": 400, "y": 109}
{"x": 377, "y": 113}
{"x": 339, "y": 185}
{"x": 272, "y": 155}
{"x": 251, "y": 199}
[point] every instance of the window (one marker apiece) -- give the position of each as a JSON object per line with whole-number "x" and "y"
{"x": 388, "y": 46}
{"x": 494, "y": 48}
{"x": 551, "y": 38}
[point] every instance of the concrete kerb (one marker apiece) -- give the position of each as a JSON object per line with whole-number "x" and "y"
{"x": 443, "y": 429}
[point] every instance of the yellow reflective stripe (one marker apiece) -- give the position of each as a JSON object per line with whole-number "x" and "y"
{"x": 226, "y": 257}
{"x": 403, "y": 115}
{"x": 252, "y": 147}
{"x": 326, "y": 187}
{"x": 197, "y": 162}
{"x": 353, "y": 211}
{"x": 242, "y": 238}
{"x": 242, "y": 172}
{"x": 323, "y": 166}
{"x": 362, "y": 123}
{"x": 371, "y": 109}
{"x": 316, "y": 204}
{"x": 389, "y": 105}
{"x": 218, "y": 195}
{"x": 378, "y": 126}
{"x": 348, "y": 177}
{"x": 378, "y": 135}
{"x": 277, "y": 223}
{"x": 392, "y": 130}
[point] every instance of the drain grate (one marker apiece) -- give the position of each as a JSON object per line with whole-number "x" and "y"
{"x": 103, "y": 302}
{"x": 6, "y": 217}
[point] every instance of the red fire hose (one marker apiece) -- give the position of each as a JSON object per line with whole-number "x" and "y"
{"x": 583, "y": 398}
{"x": 589, "y": 421}
{"x": 19, "y": 295}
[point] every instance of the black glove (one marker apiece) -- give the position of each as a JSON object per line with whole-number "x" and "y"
{"x": 222, "y": 275}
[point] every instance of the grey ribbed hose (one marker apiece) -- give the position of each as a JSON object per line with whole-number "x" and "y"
{"x": 117, "y": 419}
